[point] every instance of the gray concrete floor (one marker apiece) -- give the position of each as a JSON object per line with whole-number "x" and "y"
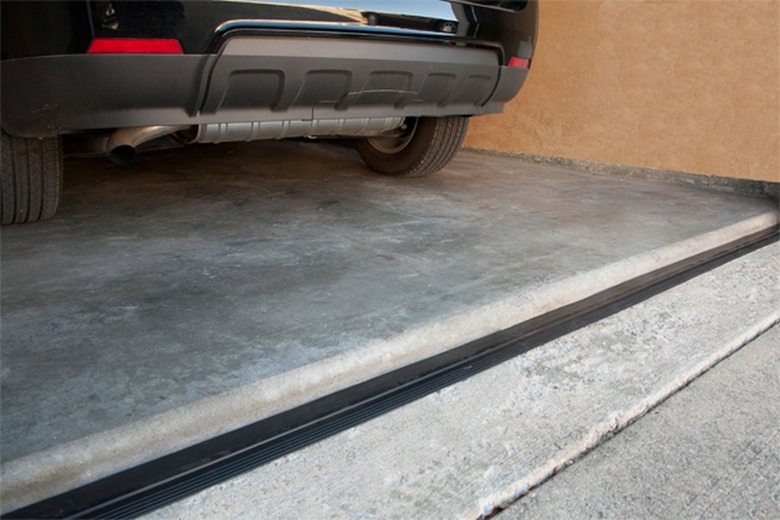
{"x": 710, "y": 451}
{"x": 198, "y": 290}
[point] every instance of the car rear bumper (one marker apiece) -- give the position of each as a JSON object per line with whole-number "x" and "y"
{"x": 253, "y": 79}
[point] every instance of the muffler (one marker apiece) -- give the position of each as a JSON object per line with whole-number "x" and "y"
{"x": 260, "y": 130}
{"x": 121, "y": 146}
{"x": 122, "y": 143}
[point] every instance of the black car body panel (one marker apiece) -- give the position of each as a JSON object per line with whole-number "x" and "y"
{"x": 258, "y": 61}
{"x": 40, "y": 28}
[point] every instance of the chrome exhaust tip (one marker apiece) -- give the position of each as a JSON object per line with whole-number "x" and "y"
{"x": 121, "y": 146}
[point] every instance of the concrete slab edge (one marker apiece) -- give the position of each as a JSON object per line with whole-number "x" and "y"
{"x": 713, "y": 182}
{"x": 50, "y": 472}
{"x": 619, "y": 420}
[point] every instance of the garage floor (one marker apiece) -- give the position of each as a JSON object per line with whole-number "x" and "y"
{"x": 199, "y": 290}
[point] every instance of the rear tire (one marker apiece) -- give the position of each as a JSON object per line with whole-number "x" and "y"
{"x": 425, "y": 146}
{"x": 30, "y": 179}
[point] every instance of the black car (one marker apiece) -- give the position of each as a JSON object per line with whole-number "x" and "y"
{"x": 400, "y": 77}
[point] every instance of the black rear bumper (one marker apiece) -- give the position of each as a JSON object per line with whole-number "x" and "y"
{"x": 253, "y": 79}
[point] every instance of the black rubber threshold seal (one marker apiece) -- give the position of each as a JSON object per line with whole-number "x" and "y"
{"x": 154, "y": 484}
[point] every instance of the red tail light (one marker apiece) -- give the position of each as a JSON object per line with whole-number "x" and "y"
{"x": 134, "y": 46}
{"x": 520, "y": 63}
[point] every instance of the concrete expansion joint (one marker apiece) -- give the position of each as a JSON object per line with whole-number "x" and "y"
{"x": 622, "y": 419}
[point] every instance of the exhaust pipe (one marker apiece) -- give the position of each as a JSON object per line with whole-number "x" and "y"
{"x": 122, "y": 143}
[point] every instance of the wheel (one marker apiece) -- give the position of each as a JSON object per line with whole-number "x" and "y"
{"x": 31, "y": 178}
{"x": 423, "y": 146}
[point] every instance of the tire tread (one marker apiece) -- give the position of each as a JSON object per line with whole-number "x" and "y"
{"x": 436, "y": 142}
{"x": 31, "y": 178}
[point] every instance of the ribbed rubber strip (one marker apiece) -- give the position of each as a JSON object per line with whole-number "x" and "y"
{"x": 154, "y": 484}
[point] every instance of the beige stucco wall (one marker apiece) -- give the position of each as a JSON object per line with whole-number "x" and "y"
{"x": 683, "y": 85}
